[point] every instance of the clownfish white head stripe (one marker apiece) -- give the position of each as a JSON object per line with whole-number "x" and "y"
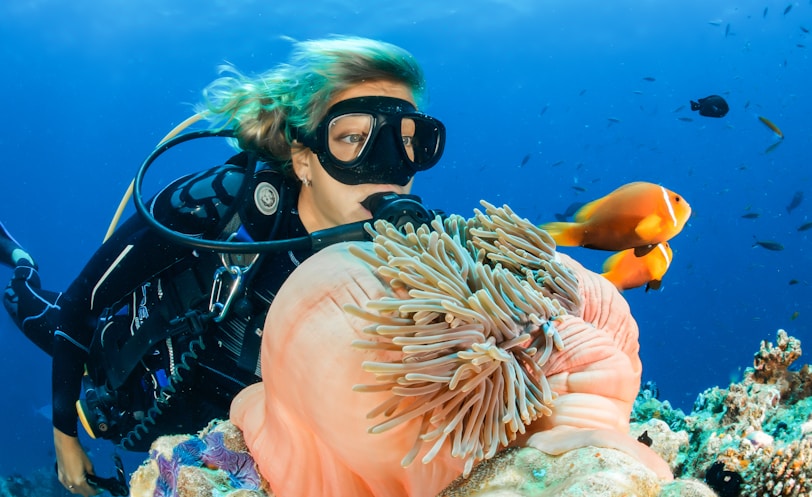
{"x": 668, "y": 204}
{"x": 667, "y": 258}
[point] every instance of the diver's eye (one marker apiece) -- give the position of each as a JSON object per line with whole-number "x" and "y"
{"x": 408, "y": 141}
{"x": 354, "y": 138}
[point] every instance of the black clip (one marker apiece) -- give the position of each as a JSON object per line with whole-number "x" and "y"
{"x": 116, "y": 485}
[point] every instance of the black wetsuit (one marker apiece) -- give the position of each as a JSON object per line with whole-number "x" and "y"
{"x": 137, "y": 264}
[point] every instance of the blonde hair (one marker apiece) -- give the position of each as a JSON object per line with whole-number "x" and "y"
{"x": 263, "y": 109}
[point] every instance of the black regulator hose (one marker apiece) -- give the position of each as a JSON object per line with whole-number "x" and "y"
{"x": 395, "y": 208}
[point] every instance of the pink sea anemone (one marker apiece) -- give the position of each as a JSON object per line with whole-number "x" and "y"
{"x": 470, "y": 338}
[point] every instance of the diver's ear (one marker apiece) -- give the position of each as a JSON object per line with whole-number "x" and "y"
{"x": 300, "y": 159}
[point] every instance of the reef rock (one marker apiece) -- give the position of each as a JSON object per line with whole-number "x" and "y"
{"x": 593, "y": 471}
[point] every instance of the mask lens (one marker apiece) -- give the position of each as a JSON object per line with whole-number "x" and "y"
{"x": 421, "y": 139}
{"x": 348, "y": 136}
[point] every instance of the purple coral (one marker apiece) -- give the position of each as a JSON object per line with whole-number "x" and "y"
{"x": 189, "y": 453}
{"x": 207, "y": 451}
{"x": 239, "y": 465}
{"x": 166, "y": 484}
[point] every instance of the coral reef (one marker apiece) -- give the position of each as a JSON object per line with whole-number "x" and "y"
{"x": 213, "y": 462}
{"x": 40, "y": 483}
{"x": 758, "y": 428}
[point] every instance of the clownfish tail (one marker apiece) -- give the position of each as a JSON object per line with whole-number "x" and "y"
{"x": 564, "y": 234}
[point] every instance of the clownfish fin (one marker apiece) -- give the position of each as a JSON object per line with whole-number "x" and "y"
{"x": 587, "y": 210}
{"x": 653, "y": 285}
{"x": 611, "y": 273}
{"x": 649, "y": 227}
{"x": 643, "y": 250}
{"x": 564, "y": 234}
{"x": 611, "y": 262}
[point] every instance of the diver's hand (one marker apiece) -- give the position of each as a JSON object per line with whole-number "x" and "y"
{"x": 72, "y": 464}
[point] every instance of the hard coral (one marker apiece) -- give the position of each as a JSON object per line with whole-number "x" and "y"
{"x": 771, "y": 363}
{"x": 755, "y": 428}
{"x": 782, "y": 471}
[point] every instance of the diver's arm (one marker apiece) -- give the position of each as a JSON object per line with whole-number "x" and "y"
{"x": 66, "y": 380}
{"x": 73, "y": 465}
{"x": 72, "y": 461}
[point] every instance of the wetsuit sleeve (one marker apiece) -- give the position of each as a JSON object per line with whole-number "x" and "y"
{"x": 197, "y": 205}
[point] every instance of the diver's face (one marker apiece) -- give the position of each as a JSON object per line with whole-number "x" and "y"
{"x": 327, "y": 202}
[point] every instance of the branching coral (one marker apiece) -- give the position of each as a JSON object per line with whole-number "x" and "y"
{"x": 771, "y": 362}
{"x": 474, "y": 331}
{"x": 783, "y": 471}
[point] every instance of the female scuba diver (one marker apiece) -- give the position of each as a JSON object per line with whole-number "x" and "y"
{"x": 170, "y": 332}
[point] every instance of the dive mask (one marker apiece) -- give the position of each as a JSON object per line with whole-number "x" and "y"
{"x": 380, "y": 140}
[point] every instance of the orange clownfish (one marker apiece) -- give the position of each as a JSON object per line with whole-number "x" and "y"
{"x": 637, "y": 215}
{"x": 625, "y": 270}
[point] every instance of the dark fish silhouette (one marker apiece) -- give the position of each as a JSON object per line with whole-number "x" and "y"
{"x": 769, "y": 245}
{"x": 805, "y": 226}
{"x": 772, "y": 147}
{"x": 685, "y": 119}
{"x": 525, "y": 160}
{"x": 804, "y": 29}
{"x": 750, "y": 215}
{"x": 789, "y": 7}
{"x": 795, "y": 202}
{"x": 711, "y": 106}
{"x": 645, "y": 439}
{"x": 649, "y": 79}
{"x": 572, "y": 209}
{"x": 764, "y": 14}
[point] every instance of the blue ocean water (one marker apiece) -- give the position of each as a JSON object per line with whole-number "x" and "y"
{"x": 592, "y": 94}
